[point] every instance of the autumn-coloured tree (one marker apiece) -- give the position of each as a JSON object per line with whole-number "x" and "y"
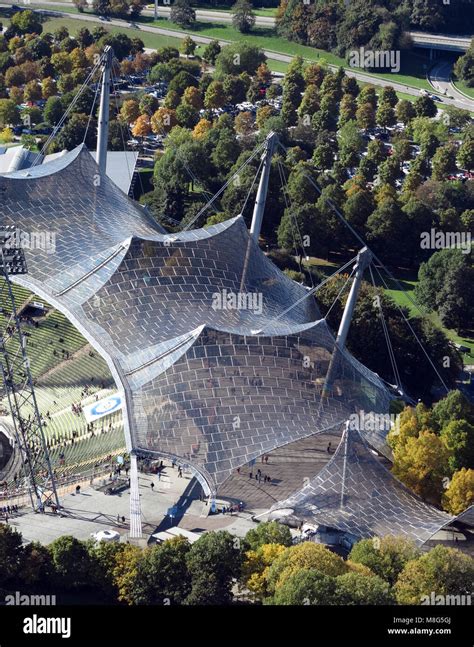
{"x": 142, "y": 126}
{"x": 32, "y": 91}
{"x": 201, "y": 129}
{"x": 460, "y": 492}
{"x": 163, "y": 121}
{"x": 422, "y": 463}
{"x": 48, "y": 87}
{"x": 130, "y": 111}
{"x": 264, "y": 74}
{"x": 244, "y": 123}
{"x": 193, "y": 97}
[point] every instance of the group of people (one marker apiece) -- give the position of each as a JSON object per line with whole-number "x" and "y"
{"x": 235, "y": 507}
{"x": 8, "y": 510}
{"x": 260, "y": 476}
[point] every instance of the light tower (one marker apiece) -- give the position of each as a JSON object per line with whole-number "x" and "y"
{"x": 18, "y": 383}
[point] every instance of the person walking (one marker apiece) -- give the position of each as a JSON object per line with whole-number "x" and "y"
{"x": 152, "y": 485}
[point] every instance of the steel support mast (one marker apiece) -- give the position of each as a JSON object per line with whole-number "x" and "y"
{"x": 103, "y": 129}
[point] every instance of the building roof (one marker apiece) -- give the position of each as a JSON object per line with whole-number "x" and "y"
{"x": 212, "y": 382}
{"x": 120, "y": 164}
{"x": 356, "y": 494}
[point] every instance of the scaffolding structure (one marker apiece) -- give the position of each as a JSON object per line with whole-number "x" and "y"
{"x": 18, "y": 383}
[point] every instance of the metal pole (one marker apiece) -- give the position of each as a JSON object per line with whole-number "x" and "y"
{"x": 259, "y": 208}
{"x": 156, "y": 9}
{"x": 103, "y": 130}
{"x": 364, "y": 258}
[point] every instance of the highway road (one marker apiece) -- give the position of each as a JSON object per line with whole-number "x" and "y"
{"x": 440, "y": 79}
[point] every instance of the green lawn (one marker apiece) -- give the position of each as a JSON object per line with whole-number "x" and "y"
{"x": 461, "y": 85}
{"x": 401, "y": 297}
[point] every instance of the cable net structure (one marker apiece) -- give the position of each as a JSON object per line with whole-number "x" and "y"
{"x": 356, "y": 494}
{"x": 190, "y": 324}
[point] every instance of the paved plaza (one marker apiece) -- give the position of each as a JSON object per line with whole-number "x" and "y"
{"x": 92, "y": 510}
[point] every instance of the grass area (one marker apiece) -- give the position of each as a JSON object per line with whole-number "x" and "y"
{"x": 260, "y": 11}
{"x": 402, "y": 298}
{"x": 463, "y": 87}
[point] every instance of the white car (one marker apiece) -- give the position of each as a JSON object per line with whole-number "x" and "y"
{"x": 106, "y": 535}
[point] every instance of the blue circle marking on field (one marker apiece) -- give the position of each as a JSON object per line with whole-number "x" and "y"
{"x": 106, "y": 406}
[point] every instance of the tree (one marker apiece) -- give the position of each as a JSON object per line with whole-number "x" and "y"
{"x": 385, "y": 556}
{"x": 48, "y": 87}
{"x": 26, "y": 22}
{"x": 53, "y": 110}
{"x": 148, "y": 105}
{"x": 309, "y": 104}
{"x": 161, "y": 575}
{"x": 460, "y": 493}
{"x": 445, "y": 285}
{"x": 306, "y": 587}
{"x": 11, "y": 554}
{"x": 388, "y": 95}
{"x": 301, "y": 557}
{"x": 442, "y": 570}
{"x": 213, "y": 561}
{"x": 243, "y": 17}
{"x": 405, "y": 111}
{"x": 78, "y": 129}
{"x": 323, "y": 156}
{"x": 360, "y": 589}
{"x": 71, "y": 562}
{"x": 212, "y": 51}
{"x": 269, "y": 532}
{"x": 385, "y": 115}
{"x": 453, "y": 406}
{"x": 37, "y": 568}
{"x": 188, "y": 46}
{"x": 244, "y": 123}
{"x": 186, "y": 115}
{"x": 14, "y": 76}
{"x": 192, "y": 96}
{"x": 238, "y": 57}
{"x": 421, "y": 464}
{"x": 365, "y": 116}
{"x": 201, "y": 129}
{"x": 142, "y": 126}
{"x": 32, "y": 91}
{"x": 256, "y": 564}
{"x": 264, "y": 74}
{"x": 368, "y": 95}
{"x": 444, "y": 162}
{"x": 215, "y": 96}
{"x": 425, "y": 106}
{"x": 464, "y": 66}
{"x": 6, "y": 135}
{"x": 9, "y": 113}
{"x": 181, "y": 81}
{"x": 458, "y": 437}
{"x": 124, "y": 571}
{"x": 130, "y": 111}
{"x": 183, "y": 14}
{"x": 466, "y": 155}
{"x": 235, "y": 89}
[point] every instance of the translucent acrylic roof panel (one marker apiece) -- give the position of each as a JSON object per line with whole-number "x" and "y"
{"x": 229, "y": 398}
{"x": 195, "y": 326}
{"x": 355, "y": 493}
